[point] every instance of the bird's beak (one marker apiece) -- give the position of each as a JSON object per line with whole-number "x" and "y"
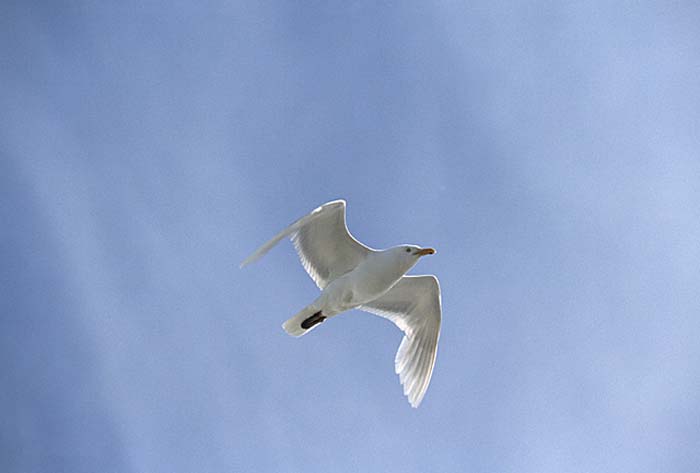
{"x": 425, "y": 251}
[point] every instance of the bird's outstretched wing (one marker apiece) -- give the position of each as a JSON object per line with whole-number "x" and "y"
{"x": 325, "y": 246}
{"x": 413, "y": 304}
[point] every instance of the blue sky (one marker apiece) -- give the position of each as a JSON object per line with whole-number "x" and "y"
{"x": 549, "y": 151}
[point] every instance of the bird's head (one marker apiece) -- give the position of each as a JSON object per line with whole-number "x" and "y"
{"x": 410, "y": 254}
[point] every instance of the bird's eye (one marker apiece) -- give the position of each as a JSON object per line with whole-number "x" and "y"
{"x": 408, "y": 250}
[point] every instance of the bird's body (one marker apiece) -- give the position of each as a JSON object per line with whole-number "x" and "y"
{"x": 351, "y": 275}
{"x": 371, "y": 279}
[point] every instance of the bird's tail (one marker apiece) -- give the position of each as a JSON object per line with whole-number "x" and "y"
{"x": 302, "y": 323}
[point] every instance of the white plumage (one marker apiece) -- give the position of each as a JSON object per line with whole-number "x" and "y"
{"x": 352, "y": 275}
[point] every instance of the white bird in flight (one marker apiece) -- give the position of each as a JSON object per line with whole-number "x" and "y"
{"x": 354, "y": 276}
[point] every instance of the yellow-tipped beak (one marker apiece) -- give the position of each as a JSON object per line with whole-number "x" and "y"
{"x": 425, "y": 251}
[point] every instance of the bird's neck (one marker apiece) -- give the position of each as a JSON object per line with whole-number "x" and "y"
{"x": 385, "y": 267}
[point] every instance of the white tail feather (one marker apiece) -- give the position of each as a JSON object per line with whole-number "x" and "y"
{"x": 293, "y": 326}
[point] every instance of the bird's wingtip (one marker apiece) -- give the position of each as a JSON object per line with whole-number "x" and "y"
{"x": 415, "y": 401}
{"x": 246, "y": 262}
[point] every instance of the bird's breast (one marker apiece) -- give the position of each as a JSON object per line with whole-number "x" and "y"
{"x": 373, "y": 278}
